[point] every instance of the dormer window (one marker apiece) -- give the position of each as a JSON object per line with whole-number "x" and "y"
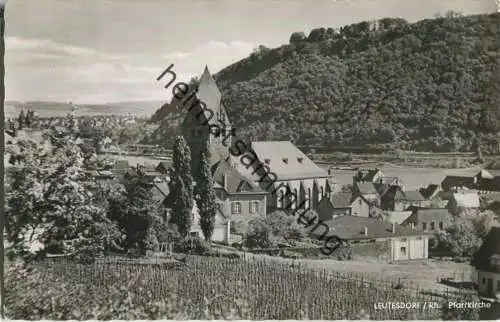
{"x": 267, "y": 161}
{"x": 285, "y": 160}
{"x": 300, "y": 160}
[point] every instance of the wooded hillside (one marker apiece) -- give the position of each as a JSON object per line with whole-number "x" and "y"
{"x": 433, "y": 85}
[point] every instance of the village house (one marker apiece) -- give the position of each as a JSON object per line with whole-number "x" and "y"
{"x": 428, "y": 219}
{"x": 163, "y": 167}
{"x": 463, "y": 200}
{"x": 395, "y": 199}
{"x": 368, "y": 191}
{"x": 238, "y": 195}
{"x": 396, "y": 242}
{"x": 483, "y": 181}
{"x": 487, "y": 265}
{"x": 343, "y": 204}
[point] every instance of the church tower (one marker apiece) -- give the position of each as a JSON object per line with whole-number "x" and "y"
{"x": 206, "y": 118}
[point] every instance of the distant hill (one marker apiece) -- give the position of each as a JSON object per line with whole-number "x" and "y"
{"x": 52, "y": 109}
{"x": 433, "y": 85}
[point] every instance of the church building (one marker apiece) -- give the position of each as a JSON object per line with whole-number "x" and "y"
{"x": 239, "y": 185}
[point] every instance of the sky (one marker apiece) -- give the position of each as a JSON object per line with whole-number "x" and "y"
{"x": 98, "y": 51}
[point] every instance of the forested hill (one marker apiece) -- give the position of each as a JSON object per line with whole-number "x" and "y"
{"x": 430, "y": 85}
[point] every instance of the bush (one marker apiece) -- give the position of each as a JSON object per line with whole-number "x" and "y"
{"x": 275, "y": 228}
{"x": 343, "y": 252}
{"x": 193, "y": 246}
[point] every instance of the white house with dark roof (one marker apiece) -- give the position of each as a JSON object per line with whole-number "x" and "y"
{"x": 403, "y": 243}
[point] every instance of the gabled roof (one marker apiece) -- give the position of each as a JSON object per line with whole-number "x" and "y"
{"x": 235, "y": 182}
{"x": 352, "y": 228}
{"x": 286, "y": 160}
{"x": 162, "y": 165}
{"x": 458, "y": 181}
{"x": 366, "y": 188}
{"x": 430, "y": 214}
{"x": 381, "y": 188}
{"x": 413, "y": 195}
{"x": 398, "y": 217}
{"x": 489, "y": 248}
{"x": 341, "y": 200}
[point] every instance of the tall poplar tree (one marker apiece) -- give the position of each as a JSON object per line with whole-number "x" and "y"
{"x": 182, "y": 186}
{"x": 206, "y": 198}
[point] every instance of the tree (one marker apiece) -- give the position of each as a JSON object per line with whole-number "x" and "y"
{"x": 460, "y": 237}
{"x": 276, "y": 227}
{"x": 29, "y": 119}
{"x": 52, "y": 206}
{"x": 139, "y": 215}
{"x": 297, "y": 37}
{"x": 483, "y": 223}
{"x": 205, "y": 194}
{"x": 21, "y": 120}
{"x": 182, "y": 186}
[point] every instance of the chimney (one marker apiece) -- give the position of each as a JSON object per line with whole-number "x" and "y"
{"x": 393, "y": 227}
{"x": 224, "y": 179}
{"x": 366, "y": 231}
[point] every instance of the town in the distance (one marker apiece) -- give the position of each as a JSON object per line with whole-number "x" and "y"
{"x": 410, "y": 227}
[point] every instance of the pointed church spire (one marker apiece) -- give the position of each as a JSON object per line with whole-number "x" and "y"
{"x": 208, "y": 90}
{"x": 206, "y": 78}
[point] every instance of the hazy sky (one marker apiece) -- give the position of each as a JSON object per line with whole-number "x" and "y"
{"x": 112, "y": 50}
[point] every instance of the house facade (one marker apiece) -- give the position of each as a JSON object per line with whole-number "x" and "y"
{"x": 238, "y": 195}
{"x": 400, "y": 243}
{"x": 464, "y": 200}
{"x": 483, "y": 181}
{"x": 294, "y": 172}
{"x": 429, "y": 219}
{"x": 343, "y": 204}
{"x": 395, "y": 199}
{"x": 487, "y": 265}
{"x": 368, "y": 191}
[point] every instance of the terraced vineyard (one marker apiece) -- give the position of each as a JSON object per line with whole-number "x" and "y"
{"x": 203, "y": 288}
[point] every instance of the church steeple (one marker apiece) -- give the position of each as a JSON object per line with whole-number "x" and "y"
{"x": 208, "y": 86}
